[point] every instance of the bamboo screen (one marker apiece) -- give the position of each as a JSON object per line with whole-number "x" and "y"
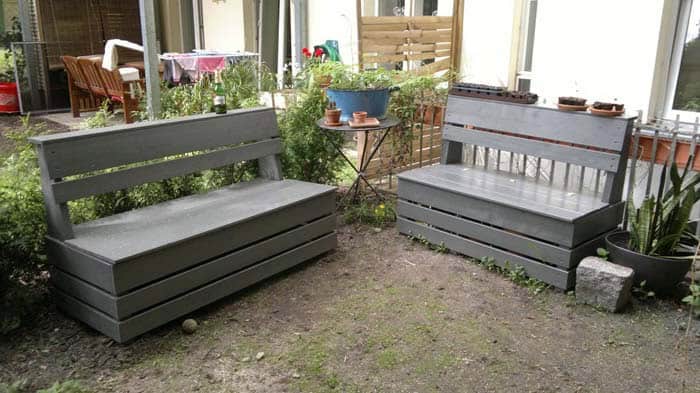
{"x": 81, "y": 27}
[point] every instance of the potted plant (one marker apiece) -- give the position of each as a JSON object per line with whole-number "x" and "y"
{"x": 609, "y": 109}
{"x": 365, "y": 91}
{"x": 572, "y": 104}
{"x": 332, "y": 114}
{"x": 659, "y": 245}
{"x": 9, "y": 101}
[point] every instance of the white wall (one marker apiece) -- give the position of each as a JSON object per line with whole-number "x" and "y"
{"x": 223, "y": 25}
{"x": 612, "y": 56}
{"x": 333, "y": 20}
{"x": 486, "y": 41}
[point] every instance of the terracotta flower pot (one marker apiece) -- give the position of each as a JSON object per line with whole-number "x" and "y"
{"x": 324, "y": 81}
{"x": 333, "y": 116}
{"x": 359, "y": 117}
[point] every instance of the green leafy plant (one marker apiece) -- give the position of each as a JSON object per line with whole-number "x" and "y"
{"x": 346, "y": 79}
{"x": 69, "y": 386}
{"x": 660, "y": 225}
{"x": 377, "y": 214}
{"x": 309, "y": 153}
{"x": 6, "y": 58}
{"x": 100, "y": 118}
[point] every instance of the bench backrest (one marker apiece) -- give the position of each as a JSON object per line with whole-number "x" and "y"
{"x": 74, "y": 72}
{"x": 539, "y": 132}
{"x": 73, "y": 164}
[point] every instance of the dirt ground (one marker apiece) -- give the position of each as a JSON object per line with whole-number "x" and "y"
{"x": 380, "y": 314}
{"x": 10, "y": 122}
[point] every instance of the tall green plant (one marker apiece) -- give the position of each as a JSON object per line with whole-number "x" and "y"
{"x": 660, "y": 225}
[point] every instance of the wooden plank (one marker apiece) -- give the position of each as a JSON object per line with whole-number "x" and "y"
{"x": 539, "y": 121}
{"x": 80, "y": 264}
{"x": 426, "y": 56}
{"x": 369, "y": 59}
{"x": 506, "y": 217}
{"x": 386, "y": 27}
{"x": 133, "y": 302}
{"x": 374, "y": 20}
{"x": 413, "y": 35}
{"x": 112, "y": 181}
{"x": 149, "y": 267}
{"x": 510, "y": 190}
{"x": 374, "y": 48}
{"x": 152, "y": 318}
{"x": 590, "y": 225}
{"x": 431, "y": 26}
{"x": 57, "y": 213}
{"x": 413, "y": 47}
{"x": 554, "y": 276}
{"x": 384, "y": 41}
{"x": 440, "y": 65}
{"x": 85, "y": 151}
{"x": 142, "y": 231}
{"x": 500, "y": 238}
{"x": 552, "y": 151}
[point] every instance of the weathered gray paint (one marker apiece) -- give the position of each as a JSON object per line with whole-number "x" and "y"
{"x": 117, "y": 180}
{"x": 552, "y": 275}
{"x": 580, "y": 128}
{"x": 130, "y": 272}
{"x": 535, "y": 225}
{"x": 79, "y": 152}
{"x": 551, "y": 151}
{"x": 480, "y": 212}
{"x": 122, "y": 331}
{"x": 121, "y": 307}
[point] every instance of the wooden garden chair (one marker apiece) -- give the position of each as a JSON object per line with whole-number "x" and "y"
{"x": 112, "y": 85}
{"x": 81, "y": 97}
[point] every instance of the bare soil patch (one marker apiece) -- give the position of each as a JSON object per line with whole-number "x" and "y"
{"x": 381, "y": 314}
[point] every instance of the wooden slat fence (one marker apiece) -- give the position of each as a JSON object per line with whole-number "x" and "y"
{"x": 422, "y": 43}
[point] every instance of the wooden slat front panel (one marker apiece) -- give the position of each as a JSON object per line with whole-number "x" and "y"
{"x": 79, "y": 152}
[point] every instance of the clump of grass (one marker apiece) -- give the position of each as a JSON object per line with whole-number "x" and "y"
{"x": 377, "y": 214}
{"x": 516, "y": 274}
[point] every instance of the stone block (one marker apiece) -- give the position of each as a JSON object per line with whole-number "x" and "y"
{"x": 603, "y": 284}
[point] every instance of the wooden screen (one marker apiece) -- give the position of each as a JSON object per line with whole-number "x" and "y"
{"x": 420, "y": 43}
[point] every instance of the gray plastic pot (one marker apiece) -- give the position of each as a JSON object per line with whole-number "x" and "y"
{"x": 661, "y": 274}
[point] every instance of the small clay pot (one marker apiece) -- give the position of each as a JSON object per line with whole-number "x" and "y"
{"x": 608, "y": 106}
{"x": 359, "y": 117}
{"x": 576, "y": 101}
{"x": 333, "y": 116}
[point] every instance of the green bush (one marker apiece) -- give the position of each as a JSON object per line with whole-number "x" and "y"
{"x": 309, "y": 153}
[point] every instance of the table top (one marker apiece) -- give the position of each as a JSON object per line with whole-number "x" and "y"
{"x": 388, "y": 122}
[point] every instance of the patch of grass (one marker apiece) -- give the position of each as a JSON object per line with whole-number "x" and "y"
{"x": 439, "y": 248}
{"x": 388, "y": 358}
{"x": 376, "y": 214}
{"x": 516, "y": 274}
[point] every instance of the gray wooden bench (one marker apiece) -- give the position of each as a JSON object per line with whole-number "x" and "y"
{"x": 507, "y": 204}
{"x": 131, "y": 272}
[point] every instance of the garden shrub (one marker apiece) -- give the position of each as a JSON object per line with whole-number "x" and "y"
{"x": 309, "y": 153}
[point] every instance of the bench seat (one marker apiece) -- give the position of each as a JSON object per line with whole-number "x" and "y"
{"x": 490, "y": 197}
{"x": 134, "y": 233}
{"x": 133, "y": 271}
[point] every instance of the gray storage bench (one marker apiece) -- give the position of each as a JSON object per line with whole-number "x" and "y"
{"x": 131, "y": 272}
{"x": 493, "y": 208}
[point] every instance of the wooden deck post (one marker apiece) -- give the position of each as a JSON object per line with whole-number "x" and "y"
{"x": 150, "y": 57}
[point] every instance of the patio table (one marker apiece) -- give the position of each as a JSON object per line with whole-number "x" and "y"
{"x": 188, "y": 67}
{"x": 384, "y": 126}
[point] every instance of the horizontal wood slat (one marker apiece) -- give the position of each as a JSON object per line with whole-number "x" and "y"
{"x": 540, "y": 122}
{"x": 439, "y": 65}
{"x": 377, "y": 20}
{"x": 558, "y": 277}
{"x": 99, "y": 184}
{"x": 79, "y": 152}
{"x": 563, "y": 153}
{"x": 414, "y": 35}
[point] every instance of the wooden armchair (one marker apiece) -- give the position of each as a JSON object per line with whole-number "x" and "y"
{"x": 81, "y": 97}
{"x": 111, "y": 85}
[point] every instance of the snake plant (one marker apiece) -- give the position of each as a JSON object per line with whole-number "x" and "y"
{"x": 659, "y": 226}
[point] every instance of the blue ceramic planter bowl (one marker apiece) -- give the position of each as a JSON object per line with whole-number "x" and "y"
{"x": 374, "y": 102}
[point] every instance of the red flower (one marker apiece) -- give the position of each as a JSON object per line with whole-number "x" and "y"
{"x": 318, "y": 52}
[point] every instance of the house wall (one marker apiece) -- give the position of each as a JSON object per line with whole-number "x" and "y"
{"x": 334, "y": 20}
{"x": 224, "y": 27}
{"x": 611, "y": 57}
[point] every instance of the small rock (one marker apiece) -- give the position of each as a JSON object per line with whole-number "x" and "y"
{"x": 260, "y": 355}
{"x": 245, "y": 359}
{"x": 189, "y": 326}
{"x": 603, "y": 284}
{"x": 296, "y": 376}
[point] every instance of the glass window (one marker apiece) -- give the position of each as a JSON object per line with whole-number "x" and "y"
{"x": 687, "y": 94}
